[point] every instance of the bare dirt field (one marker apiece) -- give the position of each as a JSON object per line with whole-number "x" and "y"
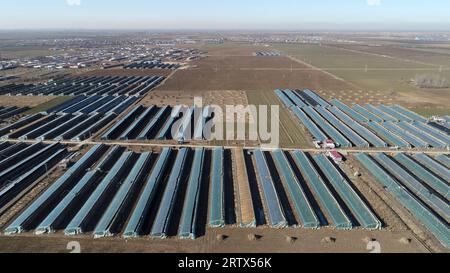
{"x": 245, "y": 80}
{"x": 167, "y": 97}
{"x": 128, "y": 72}
{"x": 269, "y": 241}
{"x": 226, "y": 97}
{"x": 229, "y": 98}
{"x": 247, "y": 63}
{"x": 232, "y": 49}
{"x": 233, "y": 67}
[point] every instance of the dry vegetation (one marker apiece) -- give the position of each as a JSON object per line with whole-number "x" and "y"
{"x": 419, "y": 55}
{"x": 431, "y": 81}
{"x": 24, "y": 101}
{"x": 291, "y": 134}
{"x": 29, "y": 76}
{"x": 128, "y": 72}
{"x": 54, "y": 101}
{"x": 383, "y": 74}
{"x": 161, "y": 98}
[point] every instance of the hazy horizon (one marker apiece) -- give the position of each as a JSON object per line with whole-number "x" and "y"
{"x": 230, "y": 15}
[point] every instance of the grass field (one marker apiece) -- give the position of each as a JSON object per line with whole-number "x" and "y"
{"x": 20, "y": 52}
{"x": 24, "y": 101}
{"x": 48, "y": 105}
{"x": 431, "y": 111}
{"x": 384, "y": 74}
{"x": 26, "y": 75}
{"x": 429, "y": 56}
{"x": 374, "y": 74}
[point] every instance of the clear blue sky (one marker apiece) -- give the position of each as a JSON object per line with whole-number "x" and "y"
{"x": 227, "y": 14}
